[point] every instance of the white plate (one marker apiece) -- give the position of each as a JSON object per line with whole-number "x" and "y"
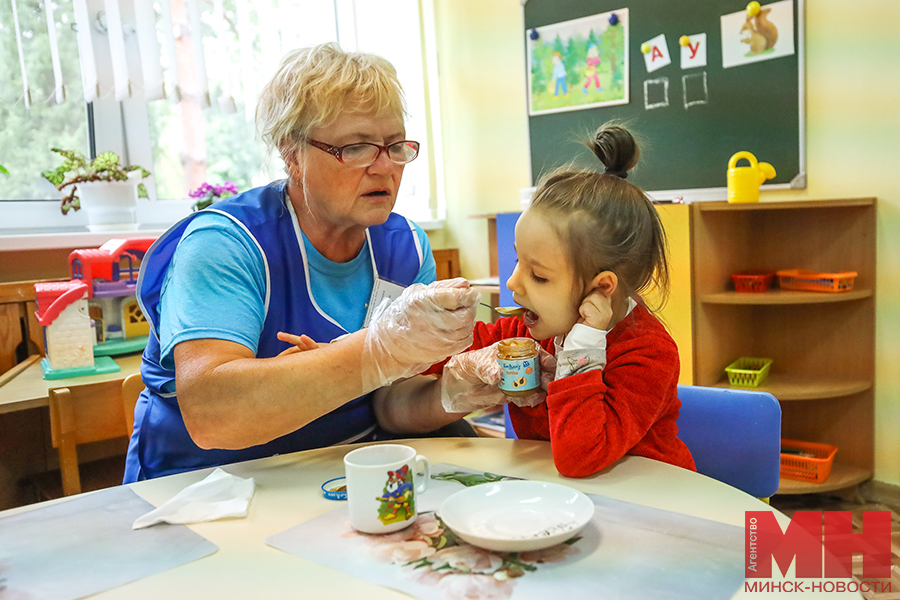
{"x": 516, "y": 516}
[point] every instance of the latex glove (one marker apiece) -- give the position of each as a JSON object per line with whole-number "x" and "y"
{"x": 470, "y": 381}
{"x": 425, "y": 325}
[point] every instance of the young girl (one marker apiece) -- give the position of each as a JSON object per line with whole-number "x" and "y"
{"x": 588, "y": 245}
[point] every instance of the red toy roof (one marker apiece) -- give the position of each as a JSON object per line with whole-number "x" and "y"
{"x": 54, "y": 296}
{"x": 111, "y": 250}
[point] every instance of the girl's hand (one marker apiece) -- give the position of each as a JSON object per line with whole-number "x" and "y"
{"x": 301, "y": 343}
{"x": 596, "y": 310}
{"x": 470, "y": 381}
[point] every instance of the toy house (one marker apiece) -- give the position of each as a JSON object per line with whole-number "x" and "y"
{"x": 110, "y": 273}
{"x": 63, "y": 313}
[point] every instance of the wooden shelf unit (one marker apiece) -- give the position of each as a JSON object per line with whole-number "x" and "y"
{"x": 777, "y": 296}
{"x": 822, "y": 344}
{"x": 841, "y": 476}
{"x": 788, "y": 387}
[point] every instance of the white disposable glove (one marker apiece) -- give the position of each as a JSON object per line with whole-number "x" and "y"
{"x": 425, "y": 325}
{"x": 471, "y": 379}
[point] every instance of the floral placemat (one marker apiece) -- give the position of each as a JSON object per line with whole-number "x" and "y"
{"x": 626, "y": 551}
{"x": 86, "y": 545}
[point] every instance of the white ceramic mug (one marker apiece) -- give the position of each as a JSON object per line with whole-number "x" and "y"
{"x": 381, "y": 486}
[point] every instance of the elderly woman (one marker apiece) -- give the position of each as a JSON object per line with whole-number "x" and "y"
{"x": 229, "y": 289}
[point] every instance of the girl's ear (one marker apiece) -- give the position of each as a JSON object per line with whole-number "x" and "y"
{"x": 606, "y": 282}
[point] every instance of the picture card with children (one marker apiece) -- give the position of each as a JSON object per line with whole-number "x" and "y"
{"x": 577, "y": 64}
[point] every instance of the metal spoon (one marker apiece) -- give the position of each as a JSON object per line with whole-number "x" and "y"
{"x": 507, "y": 311}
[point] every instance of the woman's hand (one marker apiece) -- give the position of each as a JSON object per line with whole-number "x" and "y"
{"x": 425, "y": 325}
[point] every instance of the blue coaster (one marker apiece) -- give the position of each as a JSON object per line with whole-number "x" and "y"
{"x": 102, "y": 364}
{"x": 335, "y": 489}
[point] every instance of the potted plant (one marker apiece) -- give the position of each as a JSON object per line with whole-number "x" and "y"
{"x": 103, "y": 187}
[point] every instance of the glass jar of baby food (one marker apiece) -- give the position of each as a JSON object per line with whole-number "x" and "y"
{"x": 520, "y": 366}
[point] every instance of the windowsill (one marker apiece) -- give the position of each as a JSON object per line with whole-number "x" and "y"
{"x": 431, "y": 224}
{"x": 67, "y": 231}
{"x": 71, "y": 230}
{"x": 78, "y": 237}
{"x": 43, "y": 239}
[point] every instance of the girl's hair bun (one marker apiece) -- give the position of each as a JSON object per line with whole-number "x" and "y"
{"x": 616, "y": 148}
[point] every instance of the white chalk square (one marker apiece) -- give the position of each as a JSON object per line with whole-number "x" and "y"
{"x": 695, "y": 89}
{"x": 656, "y": 93}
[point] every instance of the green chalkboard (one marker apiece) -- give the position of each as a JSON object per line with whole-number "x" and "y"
{"x": 756, "y": 107}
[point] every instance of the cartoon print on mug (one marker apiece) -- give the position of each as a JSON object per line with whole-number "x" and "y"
{"x": 397, "y": 501}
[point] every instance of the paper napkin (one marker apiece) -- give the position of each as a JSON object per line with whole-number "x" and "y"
{"x": 218, "y": 496}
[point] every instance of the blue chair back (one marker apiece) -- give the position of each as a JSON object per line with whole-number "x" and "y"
{"x": 733, "y": 435}
{"x": 510, "y": 432}
{"x": 506, "y": 253}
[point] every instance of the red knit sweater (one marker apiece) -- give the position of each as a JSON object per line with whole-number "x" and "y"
{"x": 593, "y": 419}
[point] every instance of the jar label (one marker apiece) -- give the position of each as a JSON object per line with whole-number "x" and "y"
{"x": 520, "y": 374}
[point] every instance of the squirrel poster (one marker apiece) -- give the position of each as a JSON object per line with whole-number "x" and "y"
{"x": 761, "y": 33}
{"x": 758, "y": 33}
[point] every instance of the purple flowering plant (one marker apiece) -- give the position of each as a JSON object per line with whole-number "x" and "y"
{"x": 206, "y": 194}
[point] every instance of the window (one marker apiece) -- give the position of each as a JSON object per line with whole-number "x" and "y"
{"x": 209, "y": 135}
{"x": 30, "y": 126}
{"x": 394, "y": 33}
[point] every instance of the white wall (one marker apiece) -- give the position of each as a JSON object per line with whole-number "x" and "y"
{"x": 484, "y": 120}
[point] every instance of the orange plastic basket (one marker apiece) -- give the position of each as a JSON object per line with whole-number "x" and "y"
{"x": 752, "y": 281}
{"x": 806, "y": 461}
{"x": 814, "y": 281}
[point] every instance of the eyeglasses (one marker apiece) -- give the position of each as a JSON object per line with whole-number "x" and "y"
{"x": 365, "y": 153}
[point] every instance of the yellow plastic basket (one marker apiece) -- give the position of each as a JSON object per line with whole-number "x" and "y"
{"x": 748, "y": 371}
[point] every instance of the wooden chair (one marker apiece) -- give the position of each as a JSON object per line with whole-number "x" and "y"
{"x": 20, "y": 333}
{"x": 131, "y": 391}
{"x": 80, "y": 414}
{"x": 447, "y": 263}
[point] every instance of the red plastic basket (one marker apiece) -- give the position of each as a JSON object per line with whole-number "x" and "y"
{"x": 753, "y": 281}
{"x": 814, "y": 281}
{"x": 812, "y": 464}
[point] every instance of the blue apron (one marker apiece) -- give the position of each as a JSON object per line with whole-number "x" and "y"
{"x": 160, "y": 444}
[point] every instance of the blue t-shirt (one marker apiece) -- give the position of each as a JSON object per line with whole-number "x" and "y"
{"x": 233, "y": 281}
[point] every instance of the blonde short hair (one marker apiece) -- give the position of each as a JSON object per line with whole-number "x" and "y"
{"x": 314, "y": 84}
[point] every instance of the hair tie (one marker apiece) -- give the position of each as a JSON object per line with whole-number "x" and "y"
{"x": 621, "y": 174}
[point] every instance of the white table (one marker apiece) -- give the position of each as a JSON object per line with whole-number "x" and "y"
{"x": 288, "y": 493}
